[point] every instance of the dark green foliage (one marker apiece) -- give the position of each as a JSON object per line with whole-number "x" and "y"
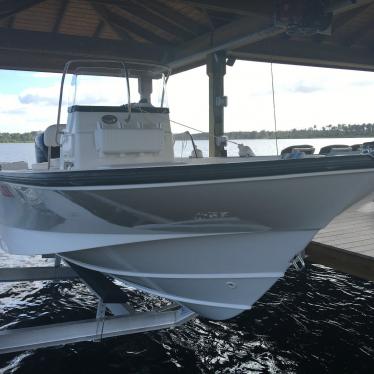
{"x": 340, "y": 131}
{"x": 27, "y": 137}
{"x": 330, "y": 131}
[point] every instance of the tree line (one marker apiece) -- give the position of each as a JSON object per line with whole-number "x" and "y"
{"x": 26, "y": 137}
{"x": 339, "y": 131}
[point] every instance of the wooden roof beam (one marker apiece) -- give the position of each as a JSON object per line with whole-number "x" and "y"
{"x": 245, "y": 7}
{"x": 59, "y": 47}
{"x": 163, "y": 24}
{"x": 307, "y": 53}
{"x": 10, "y": 7}
{"x": 172, "y": 16}
{"x": 10, "y": 21}
{"x": 234, "y": 35}
{"x": 342, "y": 6}
{"x": 126, "y": 24}
{"x": 33, "y": 61}
{"x": 240, "y": 7}
{"x": 163, "y": 11}
{"x": 225, "y": 16}
{"x": 103, "y": 13}
{"x": 243, "y": 32}
{"x": 358, "y": 33}
{"x": 99, "y": 28}
{"x": 347, "y": 17}
{"x": 60, "y": 15}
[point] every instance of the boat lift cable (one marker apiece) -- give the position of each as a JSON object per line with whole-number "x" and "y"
{"x": 200, "y": 131}
{"x": 274, "y": 108}
{"x": 236, "y": 143}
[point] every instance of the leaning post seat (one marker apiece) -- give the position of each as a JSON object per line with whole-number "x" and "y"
{"x": 335, "y": 149}
{"x": 357, "y": 147}
{"x": 368, "y": 147}
{"x": 306, "y": 148}
{"x": 105, "y": 136}
{"x": 45, "y": 139}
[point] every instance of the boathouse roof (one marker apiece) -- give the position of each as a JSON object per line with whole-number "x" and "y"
{"x": 43, "y": 34}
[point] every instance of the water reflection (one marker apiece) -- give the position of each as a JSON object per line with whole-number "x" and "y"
{"x": 314, "y": 321}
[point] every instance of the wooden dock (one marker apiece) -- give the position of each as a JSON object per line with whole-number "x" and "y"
{"x": 347, "y": 243}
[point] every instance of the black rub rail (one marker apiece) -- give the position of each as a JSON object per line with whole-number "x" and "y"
{"x": 187, "y": 173}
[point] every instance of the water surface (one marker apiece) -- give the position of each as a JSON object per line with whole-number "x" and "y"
{"x": 261, "y": 147}
{"x": 314, "y": 321}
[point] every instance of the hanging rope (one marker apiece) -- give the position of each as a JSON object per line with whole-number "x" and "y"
{"x": 274, "y": 109}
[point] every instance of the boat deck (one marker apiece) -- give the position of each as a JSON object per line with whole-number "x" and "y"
{"x": 347, "y": 243}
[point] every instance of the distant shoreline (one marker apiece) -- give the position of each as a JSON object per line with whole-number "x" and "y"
{"x": 340, "y": 131}
{"x": 26, "y": 137}
{"x": 205, "y": 136}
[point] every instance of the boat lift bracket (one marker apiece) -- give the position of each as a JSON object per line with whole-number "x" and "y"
{"x": 125, "y": 319}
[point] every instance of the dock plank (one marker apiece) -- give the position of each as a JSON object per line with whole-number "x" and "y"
{"x": 356, "y": 264}
{"x": 347, "y": 243}
{"x": 337, "y": 229}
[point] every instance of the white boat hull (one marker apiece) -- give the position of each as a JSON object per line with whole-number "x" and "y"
{"x": 216, "y": 276}
{"x": 215, "y": 246}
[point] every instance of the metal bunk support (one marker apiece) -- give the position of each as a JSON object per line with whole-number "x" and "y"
{"x": 125, "y": 319}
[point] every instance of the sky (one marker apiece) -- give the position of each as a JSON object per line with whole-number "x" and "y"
{"x": 304, "y": 97}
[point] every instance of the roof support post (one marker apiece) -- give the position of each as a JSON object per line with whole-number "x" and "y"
{"x": 216, "y": 70}
{"x": 145, "y": 88}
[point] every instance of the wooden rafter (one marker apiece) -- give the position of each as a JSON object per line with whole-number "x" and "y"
{"x": 241, "y": 32}
{"x": 178, "y": 32}
{"x": 104, "y": 15}
{"x": 154, "y": 19}
{"x": 239, "y": 7}
{"x": 60, "y": 15}
{"x": 359, "y": 32}
{"x": 348, "y": 17}
{"x": 307, "y": 53}
{"x": 218, "y": 19}
{"x": 261, "y": 7}
{"x": 164, "y": 11}
{"x": 9, "y": 8}
{"x": 43, "y": 49}
{"x": 99, "y": 28}
{"x": 172, "y": 16}
{"x": 224, "y": 16}
{"x": 123, "y": 25}
{"x": 343, "y": 6}
{"x": 11, "y": 21}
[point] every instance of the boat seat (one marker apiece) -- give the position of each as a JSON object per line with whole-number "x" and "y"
{"x": 356, "y": 147}
{"x": 47, "y": 139}
{"x": 368, "y": 147}
{"x": 335, "y": 149}
{"x": 50, "y": 137}
{"x": 306, "y": 148}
